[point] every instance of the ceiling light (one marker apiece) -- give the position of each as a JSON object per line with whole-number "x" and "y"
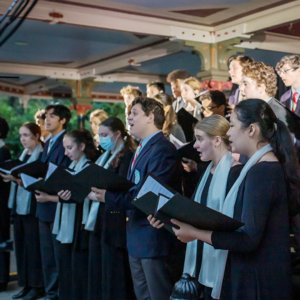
{"x": 21, "y": 43}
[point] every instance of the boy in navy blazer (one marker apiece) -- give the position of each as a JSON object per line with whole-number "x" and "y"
{"x": 57, "y": 120}
{"x": 149, "y": 248}
{"x": 289, "y": 70}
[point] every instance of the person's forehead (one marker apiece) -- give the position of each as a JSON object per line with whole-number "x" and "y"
{"x": 286, "y": 66}
{"x": 235, "y": 63}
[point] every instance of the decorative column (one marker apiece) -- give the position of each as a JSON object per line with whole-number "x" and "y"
{"x": 214, "y": 58}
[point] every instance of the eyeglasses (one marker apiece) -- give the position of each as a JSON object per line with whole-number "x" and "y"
{"x": 285, "y": 71}
{"x": 209, "y": 108}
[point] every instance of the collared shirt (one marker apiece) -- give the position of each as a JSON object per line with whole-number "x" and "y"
{"x": 1, "y": 143}
{"x": 269, "y": 99}
{"x": 179, "y": 103}
{"x": 54, "y": 139}
{"x": 298, "y": 93}
{"x": 148, "y": 138}
{"x": 47, "y": 138}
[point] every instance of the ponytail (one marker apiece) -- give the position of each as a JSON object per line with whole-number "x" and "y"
{"x": 275, "y": 132}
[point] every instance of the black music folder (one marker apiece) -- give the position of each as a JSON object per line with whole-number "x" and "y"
{"x": 16, "y": 167}
{"x": 189, "y": 151}
{"x": 8, "y": 166}
{"x": 35, "y": 169}
{"x": 78, "y": 183}
{"x": 187, "y": 123}
{"x": 98, "y": 177}
{"x": 164, "y": 206}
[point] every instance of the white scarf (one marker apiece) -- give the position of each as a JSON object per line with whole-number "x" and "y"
{"x": 23, "y": 199}
{"x": 228, "y": 210}
{"x": 215, "y": 199}
{"x": 102, "y": 161}
{"x": 64, "y": 221}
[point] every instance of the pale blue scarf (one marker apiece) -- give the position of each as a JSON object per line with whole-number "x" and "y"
{"x": 102, "y": 162}
{"x": 23, "y": 199}
{"x": 64, "y": 222}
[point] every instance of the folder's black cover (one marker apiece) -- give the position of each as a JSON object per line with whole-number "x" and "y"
{"x": 187, "y": 211}
{"x": 98, "y": 177}
{"x": 10, "y": 164}
{"x": 189, "y": 151}
{"x": 35, "y": 169}
{"x": 187, "y": 123}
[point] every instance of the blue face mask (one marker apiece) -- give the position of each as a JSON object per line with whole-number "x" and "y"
{"x": 107, "y": 144}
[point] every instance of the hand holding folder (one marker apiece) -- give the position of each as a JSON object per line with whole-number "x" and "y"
{"x": 164, "y": 208}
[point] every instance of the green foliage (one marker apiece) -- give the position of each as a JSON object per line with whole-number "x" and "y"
{"x": 16, "y": 115}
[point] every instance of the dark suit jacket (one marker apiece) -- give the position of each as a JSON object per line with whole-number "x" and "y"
{"x": 4, "y": 192}
{"x": 46, "y": 211}
{"x": 159, "y": 156}
{"x": 290, "y": 119}
{"x": 287, "y": 98}
{"x": 234, "y": 95}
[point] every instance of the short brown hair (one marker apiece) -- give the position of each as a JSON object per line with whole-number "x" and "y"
{"x": 292, "y": 60}
{"x": 178, "y": 74}
{"x": 194, "y": 83}
{"x": 150, "y": 105}
{"x": 262, "y": 74}
{"x": 131, "y": 90}
{"x": 242, "y": 59}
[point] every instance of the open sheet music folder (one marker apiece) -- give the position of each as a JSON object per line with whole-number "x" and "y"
{"x": 165, "y": 208}
{"x": 187, "y": 123}
{"x": 188, "y": 151}
{"x": 79, "y": 183}
{"x": 16, "y": 167}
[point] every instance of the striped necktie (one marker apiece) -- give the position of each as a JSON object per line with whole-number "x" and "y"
{"x": 294, "y": 104}
{"x": 138, "y": 150}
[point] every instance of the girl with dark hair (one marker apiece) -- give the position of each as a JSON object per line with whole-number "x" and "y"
{"x": 254, "y": 261}
{"x": 69, "y": 220}
{"x": 26, "y": 229}
{"x": 109, "y": 274}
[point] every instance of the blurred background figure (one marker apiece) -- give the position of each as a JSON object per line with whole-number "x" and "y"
{"x": 97, "y": 117}
{"x": 40, "y": 117}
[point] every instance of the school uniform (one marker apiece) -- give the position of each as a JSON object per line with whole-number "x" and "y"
{"x": 148, "y": 247}
{"x": 53, "y": 152}
{"x": 178, "y": 104}
{"x": 258, "y": 264}
{"x": 72, "y": 250}
{"x": 234, "y": 97}
{"x": 26, "y": 233}
{"x": 4, "y": 220}
{"x": 109, "y": 274}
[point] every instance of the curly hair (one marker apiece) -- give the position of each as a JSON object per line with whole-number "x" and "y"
{"x": 131, "y": 90}
{"x": 178, "y": 74}
{"x": 292, "y": 60}
{"x": 262, "y": 74}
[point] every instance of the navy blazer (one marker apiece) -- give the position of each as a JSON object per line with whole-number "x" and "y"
{"x": 46, "y": 211}
{"x": 159, "y": 156}
{"x": 287, "y": 98}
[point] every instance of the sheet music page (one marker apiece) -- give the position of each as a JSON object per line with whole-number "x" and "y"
{"x": 151, "y": 185}
{"x": 162, "y": 200}
{"x": 51, "y": 168}
{"x": 28, "y": 180}
{"x": 176, "y": 142}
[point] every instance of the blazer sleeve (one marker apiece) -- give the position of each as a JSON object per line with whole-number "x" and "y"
{"x": 258, "y": 198}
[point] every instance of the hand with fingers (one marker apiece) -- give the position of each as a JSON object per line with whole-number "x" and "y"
{"x": 155, "y": 223}
{"x": 189, "y": 165}
{"x": 65, "y": 195}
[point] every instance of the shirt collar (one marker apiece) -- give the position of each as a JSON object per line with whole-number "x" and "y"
{"x": 54, "y": 139}
{"x": 297, "y": 90}
{"x": 1, "y": 143}
{"x": 148, "y": 138}
{"x": 269, "y": 99}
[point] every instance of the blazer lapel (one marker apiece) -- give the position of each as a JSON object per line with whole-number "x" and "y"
{"x": 55, "y": 145}
{"x": 144, "y": 151}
